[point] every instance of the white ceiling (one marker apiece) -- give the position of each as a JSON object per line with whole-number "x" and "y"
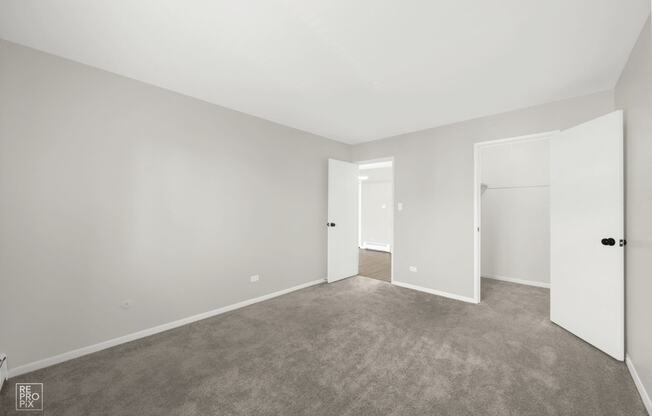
{"x": 351, "y": 70}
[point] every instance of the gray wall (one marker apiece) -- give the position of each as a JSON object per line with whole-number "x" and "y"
{"x": 113, "y": 189}
{"x": 433, "y": 173}
{"x": 634, "y": 96}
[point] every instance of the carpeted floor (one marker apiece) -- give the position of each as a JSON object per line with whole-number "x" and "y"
{"x": 356, "y": 347}
{"x": 375, "y": 264}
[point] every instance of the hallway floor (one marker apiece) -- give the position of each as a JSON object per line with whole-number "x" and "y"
{"x": 375, "y": 264}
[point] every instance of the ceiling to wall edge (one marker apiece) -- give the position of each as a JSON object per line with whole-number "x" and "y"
{"x": 317, "y": 135}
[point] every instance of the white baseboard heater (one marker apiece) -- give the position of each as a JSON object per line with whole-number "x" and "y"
{"x": 370, "y": 245}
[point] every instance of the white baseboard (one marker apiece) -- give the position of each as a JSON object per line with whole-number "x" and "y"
{"x": 639, "y": 384}
{"x": 434, "y": 292}
{"x": 37, "y": 365}
{"x": 376, "y": 246}
{"x": 519, "y": 281}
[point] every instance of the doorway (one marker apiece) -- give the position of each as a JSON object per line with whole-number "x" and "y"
{"x": 375, "y": 219}
{"x": 584, "y": 229}
{"x": 514, "y": 210}
{"x": 360, "y": 220}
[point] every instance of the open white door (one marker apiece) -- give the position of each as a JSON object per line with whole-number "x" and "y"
{"x": 342, "y": 220}
{"x": 587, "y": 232}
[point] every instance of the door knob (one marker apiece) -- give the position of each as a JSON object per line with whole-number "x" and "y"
{"x": 330, "y": 224}
{"x": 608, "y": 241}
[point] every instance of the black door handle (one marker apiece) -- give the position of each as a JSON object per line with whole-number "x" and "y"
{"x": 330, "y": 224}
{"x": 608, "y": 241}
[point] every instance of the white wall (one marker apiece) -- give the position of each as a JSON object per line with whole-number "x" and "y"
{"x": 433, "y": 178}
{"x": 634, "y": 96}
{"x": 376, "y": 207}
{"x": 113, "y": 189}
{"x": 516, "y": 211}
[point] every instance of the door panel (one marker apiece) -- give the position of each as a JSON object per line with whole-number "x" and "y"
{"x": 586, "y": 206}
{"x": 342, "y": 219}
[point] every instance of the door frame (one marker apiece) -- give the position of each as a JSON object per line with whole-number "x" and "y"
{"x": 392, "y": 245}
{"x": 477, "y": 202}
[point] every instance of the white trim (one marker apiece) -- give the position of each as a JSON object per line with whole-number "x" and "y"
{"x": 527, "y": 137}
{"x": 393, "y": 219}
{"x": 645, "y": 397}
{"x": 46, "y": 362}
{"x": 434, "y": 292}
{"x": 359, "y": 215}
{"x": 376, "y": 165}
{"x": 3, "y": 369}
{"x": 369, "y": 245}
{"x": 477, "y": 219}
{"x": 514, "y": 280}
{"x": 477, "y": 200}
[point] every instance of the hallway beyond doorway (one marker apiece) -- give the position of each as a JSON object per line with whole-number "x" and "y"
{"x": 376, "y": 264}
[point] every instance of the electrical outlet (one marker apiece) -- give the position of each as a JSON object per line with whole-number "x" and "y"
{"x": 126, "y": 304}
{"x": 254, "y": 278}
{"x": 413, "y": 269}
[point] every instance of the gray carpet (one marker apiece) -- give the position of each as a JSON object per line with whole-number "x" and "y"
{"x": 355, "y": 347}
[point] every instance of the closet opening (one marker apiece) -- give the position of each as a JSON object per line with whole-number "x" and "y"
{"x": 512, "y": 213}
